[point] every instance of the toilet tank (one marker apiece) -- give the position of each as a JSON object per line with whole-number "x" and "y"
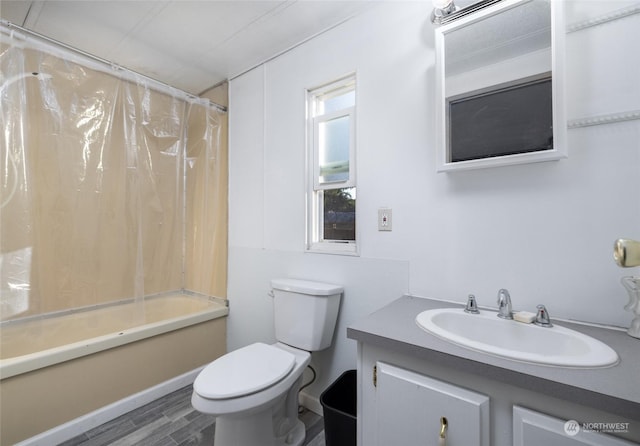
{"x": 305, "y": 312}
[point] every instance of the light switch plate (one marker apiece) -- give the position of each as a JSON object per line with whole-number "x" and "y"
{"x": 384, "y": 219}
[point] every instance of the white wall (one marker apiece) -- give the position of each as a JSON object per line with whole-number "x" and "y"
{"x": 544, "y": 231}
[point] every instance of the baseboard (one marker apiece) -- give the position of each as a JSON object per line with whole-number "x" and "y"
{"x": 311, "y": 402}
{"x": 87, "y": 422}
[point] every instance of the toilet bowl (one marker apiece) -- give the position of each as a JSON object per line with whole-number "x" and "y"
{"x": 253, "y": 391}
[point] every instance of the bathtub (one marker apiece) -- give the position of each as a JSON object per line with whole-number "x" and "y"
{"x": 61, "y": 366}
{"x": 42, "y": 341}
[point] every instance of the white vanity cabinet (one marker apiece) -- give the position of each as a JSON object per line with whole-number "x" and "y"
{"x": 408, "y": 380}
{"x": 413, "y": 409}
{"x": 402, "y": 400}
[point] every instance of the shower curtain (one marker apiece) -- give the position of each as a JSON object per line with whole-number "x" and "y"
{"x": 111, "y": 185}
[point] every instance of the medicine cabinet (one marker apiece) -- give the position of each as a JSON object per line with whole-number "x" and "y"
{"x": 500, "y": 86}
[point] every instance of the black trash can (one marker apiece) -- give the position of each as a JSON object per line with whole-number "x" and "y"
{"x": 339, "y": 408}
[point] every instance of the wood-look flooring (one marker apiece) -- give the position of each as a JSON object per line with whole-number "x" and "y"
{"x": 171, "y": 421}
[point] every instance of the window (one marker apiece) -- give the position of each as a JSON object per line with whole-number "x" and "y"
{"x": 331, "y": 201}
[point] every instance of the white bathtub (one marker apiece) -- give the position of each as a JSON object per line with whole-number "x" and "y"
{"x": 42, "y": 341}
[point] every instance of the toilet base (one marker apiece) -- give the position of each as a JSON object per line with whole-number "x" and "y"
{"x": 255, "y": 430}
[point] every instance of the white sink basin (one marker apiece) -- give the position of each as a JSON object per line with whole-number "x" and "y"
{"x": 485, "y": 332}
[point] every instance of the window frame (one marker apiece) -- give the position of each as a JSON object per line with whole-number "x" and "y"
{"x": 314, "y": 236}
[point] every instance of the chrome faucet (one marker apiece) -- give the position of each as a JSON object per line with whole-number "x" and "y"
{"x": 542, "y": 318}
{"x": 472, "y": 306}
{"x": 504, "y": 305}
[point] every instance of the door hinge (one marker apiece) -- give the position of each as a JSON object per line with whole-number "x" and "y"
{"x": 375, "y": 376}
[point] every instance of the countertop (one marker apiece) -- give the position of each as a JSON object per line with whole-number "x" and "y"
{"x": 613, "y": 389}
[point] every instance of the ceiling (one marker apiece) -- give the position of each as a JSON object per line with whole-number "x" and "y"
{"x": 189, "y": 44}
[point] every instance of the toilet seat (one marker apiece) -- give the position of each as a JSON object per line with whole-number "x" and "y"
{"x": 244, "y": 371}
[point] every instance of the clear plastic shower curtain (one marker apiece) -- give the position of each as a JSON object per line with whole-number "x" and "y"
{"x": 94, "y": 172}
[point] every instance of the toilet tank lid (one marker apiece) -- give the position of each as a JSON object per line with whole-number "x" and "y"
{"x": 306, "y": 287}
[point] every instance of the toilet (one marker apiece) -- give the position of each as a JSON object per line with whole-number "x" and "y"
{"x": 253, "y": 391}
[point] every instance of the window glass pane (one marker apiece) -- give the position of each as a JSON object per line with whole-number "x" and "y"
{"x": 339, "y": 214}
{"x": 333, "y": 143}
{"x": 505, "y": 121}
{"x": 331, "y": 103}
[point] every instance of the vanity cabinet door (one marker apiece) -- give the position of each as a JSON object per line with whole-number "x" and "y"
{"x": 410, "y": 407}
{"x": 532, "y": 428}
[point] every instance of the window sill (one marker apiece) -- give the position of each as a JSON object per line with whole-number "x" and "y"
{"x": 343, "y": 249}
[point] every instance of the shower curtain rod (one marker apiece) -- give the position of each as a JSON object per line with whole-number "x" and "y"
{"x": 128, "y": 73}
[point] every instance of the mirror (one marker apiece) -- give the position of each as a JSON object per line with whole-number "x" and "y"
{"x": 499, "y": 86}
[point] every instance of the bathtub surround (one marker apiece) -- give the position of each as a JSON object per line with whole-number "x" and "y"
{"x": 544, "y": 231}
{"x": 119, "y": 185}
{"x": 121, "y": 193}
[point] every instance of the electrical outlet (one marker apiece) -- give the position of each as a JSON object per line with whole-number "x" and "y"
{"x": 384, "y": 219}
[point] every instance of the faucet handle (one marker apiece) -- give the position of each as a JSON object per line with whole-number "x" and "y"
{"x": 472, "y": 306}
{"x": 542, "y": 317}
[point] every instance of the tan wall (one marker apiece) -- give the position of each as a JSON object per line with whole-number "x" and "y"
{"x": 40, "y": 400}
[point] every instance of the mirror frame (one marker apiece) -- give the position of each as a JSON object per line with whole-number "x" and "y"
{"x": 558, "y": 35}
